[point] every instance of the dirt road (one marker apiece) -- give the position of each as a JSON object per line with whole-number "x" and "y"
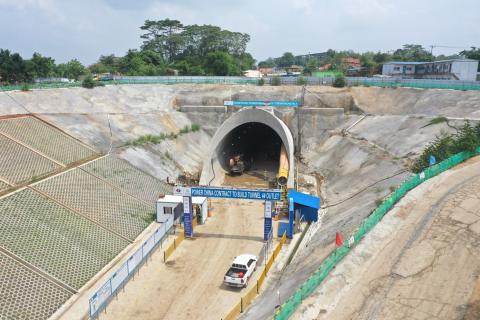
{"x": 190, "y": 285}
{"x": 421, "y": 262}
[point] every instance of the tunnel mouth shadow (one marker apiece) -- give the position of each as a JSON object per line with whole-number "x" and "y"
{"x": 258, "y": 146}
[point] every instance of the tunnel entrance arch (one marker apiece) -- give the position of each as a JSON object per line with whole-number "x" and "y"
{"x": 260, "y": 132}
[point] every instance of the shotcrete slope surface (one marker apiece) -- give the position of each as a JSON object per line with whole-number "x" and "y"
{"x": 420, "y": 262}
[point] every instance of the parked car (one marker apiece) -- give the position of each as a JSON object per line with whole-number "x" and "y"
{"x": 241, "y": 270}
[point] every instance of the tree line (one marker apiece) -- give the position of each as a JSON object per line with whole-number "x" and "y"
{"x": 371, "y": 62}
{"x": 168, "y": 48}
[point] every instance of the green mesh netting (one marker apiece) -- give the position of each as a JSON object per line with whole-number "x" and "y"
{"x": 455, "y": 85}
{"x": 309, "y": 286}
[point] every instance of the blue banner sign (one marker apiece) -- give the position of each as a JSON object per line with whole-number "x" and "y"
{"x": 250, "y": 194}
{"x": 432, "y": 160}
{"x": 187, "y": 223}
{"x": 267, "y": 228}
{"x": 260, "y": 103}
{"x": 187, "y": 216}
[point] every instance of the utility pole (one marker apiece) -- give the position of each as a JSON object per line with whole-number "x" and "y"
{"x": 299, "y": 125}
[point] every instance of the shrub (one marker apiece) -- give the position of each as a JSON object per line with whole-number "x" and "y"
{"x": 25, "y": 87}
{"x": 185, "y": 129}
{"x": 275, "y": 81}
{"x": 446, "y": 145}
{"x": 88, "y": 82}
{"x": 466, "y": 139}
{"x": 195, "y": 127}
{"x": 261, "y": 82}
{"x": 339, "y": 81}
{"x": 301, "y": 81}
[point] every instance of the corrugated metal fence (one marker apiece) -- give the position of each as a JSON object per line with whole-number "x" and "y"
{"x": 99, "y": 301}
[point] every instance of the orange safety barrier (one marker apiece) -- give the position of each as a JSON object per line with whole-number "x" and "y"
{"x": 269, "y": 263}
{"x": 168, "y": 252}
{"x": 261, "y": 279}
{"x": 248, "y": 298}
{"x": 235, "y": 312}
{"x": 172, "y": 247}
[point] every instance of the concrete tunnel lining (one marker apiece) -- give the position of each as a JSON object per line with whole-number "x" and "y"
{"x": 212, "y": 168}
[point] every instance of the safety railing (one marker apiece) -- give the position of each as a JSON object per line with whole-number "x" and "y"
{"x": 266, "y": 248}
{"x": 247, "y": 299}
{"x": 99, "y": 301}
{"x": 309, "y": 286}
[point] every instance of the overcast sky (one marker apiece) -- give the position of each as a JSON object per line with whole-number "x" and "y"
{"x": 85, "y": 29}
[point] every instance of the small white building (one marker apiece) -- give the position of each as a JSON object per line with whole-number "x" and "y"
{"x": 173, "y": 205}
{"x": 455, "y": 69}
{"x": 252, "y": 74}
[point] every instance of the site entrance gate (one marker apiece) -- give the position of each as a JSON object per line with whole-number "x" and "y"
{"x": 308, "y": 203}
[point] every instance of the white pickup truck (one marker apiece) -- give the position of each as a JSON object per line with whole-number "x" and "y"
{"x": 241, "y": 270}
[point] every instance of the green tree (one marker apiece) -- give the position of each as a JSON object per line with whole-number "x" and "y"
{"x": 221, "y": 64}
{"x": 13, "y": 69}
{"x": 412, "y": 52}
{"x": 42, "y": 67}
{"x": 163, "y": 37}
{"x": 184, "y": 67}
{"x": 368, "y": 64}
{"x": 138, "y": 63}
{"x": 269, "y": 63}
{"x": 311, "y": 66}
{"x": 245, "y": 61}
{"x": 473, "y": 53}
{"x": 286, "y": 60}
{"x": 72, "y": 69}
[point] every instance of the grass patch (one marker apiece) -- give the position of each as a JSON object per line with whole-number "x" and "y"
{"x": 156, "y": 139}
{"x": 152, "y": 216}
{"x": 35, "y": 178}
{"x": 184, "y": 130}
{"x": 436, "y": 120}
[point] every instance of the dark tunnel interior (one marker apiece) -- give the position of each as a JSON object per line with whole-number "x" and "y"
{"x": 258, "y": 144}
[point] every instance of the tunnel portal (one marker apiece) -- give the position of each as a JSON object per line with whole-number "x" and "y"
{"x": 265, "y": 142}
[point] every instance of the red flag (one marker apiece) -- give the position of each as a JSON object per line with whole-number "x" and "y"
{"x": 338, "y": 239}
